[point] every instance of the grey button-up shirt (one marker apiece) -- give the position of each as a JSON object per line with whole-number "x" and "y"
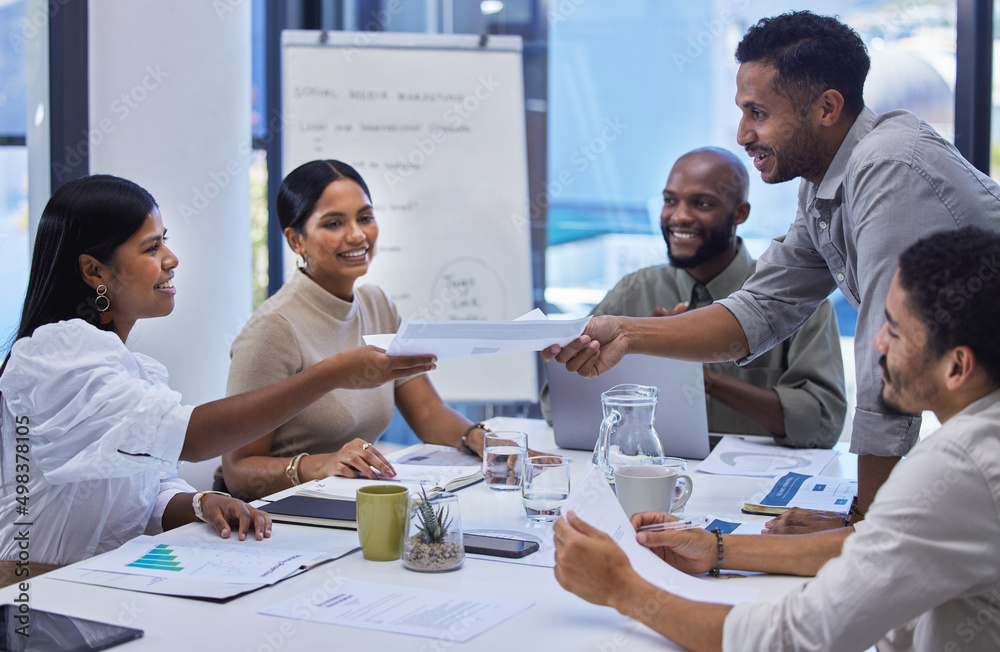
{"x": 893, "y": 181}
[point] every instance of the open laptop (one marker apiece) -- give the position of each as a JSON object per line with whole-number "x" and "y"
{"x": 681, "y": 419}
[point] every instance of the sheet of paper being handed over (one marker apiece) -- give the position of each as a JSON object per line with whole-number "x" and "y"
{"x": 594, "y": 501}
{"x": 454, "y": 340}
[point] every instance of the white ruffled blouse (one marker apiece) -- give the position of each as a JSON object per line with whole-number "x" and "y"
{"x": 104, "y": 433}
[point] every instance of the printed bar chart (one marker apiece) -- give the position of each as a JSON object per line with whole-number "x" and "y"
{"x": 230, "y": 562}
{"x": 160, "y": 557}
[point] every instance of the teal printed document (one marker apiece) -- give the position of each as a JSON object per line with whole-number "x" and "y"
{"x": 243, "y": 564}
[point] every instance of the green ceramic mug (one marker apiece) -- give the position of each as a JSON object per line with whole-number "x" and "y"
{"x": 382, "y": 520}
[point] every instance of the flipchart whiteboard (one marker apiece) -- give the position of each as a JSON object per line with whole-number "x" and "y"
{"x": 435, "y": 125}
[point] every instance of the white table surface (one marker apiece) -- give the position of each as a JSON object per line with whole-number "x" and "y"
{"x": 557, "y": 621}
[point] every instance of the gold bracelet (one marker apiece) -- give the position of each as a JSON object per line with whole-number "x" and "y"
{"x": 292, "y": 470}
{"x": 465, "y": 437}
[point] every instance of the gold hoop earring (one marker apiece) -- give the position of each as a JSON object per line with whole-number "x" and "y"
{"x": 302, "y": 263}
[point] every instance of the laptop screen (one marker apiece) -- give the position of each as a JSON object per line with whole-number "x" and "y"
{"x": 681, "y": 419}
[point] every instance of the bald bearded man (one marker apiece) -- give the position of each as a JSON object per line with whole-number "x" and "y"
{"x": 795, "y": 392}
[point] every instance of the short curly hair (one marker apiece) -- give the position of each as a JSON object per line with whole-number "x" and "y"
{"x": 811, "y": 54}
{"x": 952, "y": 284}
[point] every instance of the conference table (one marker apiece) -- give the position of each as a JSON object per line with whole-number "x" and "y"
{"x": 557, "y": 620}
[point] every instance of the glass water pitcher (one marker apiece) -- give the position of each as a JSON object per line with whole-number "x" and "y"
{"x": 627, "y": 434}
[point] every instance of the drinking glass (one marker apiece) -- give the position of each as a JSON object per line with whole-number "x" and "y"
{"x": 546, "y": 487}
{"x": 503, "y": 459}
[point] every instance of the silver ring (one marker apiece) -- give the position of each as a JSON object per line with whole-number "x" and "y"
{"x": 366, "y": 446}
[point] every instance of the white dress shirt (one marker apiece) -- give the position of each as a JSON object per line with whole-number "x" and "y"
{"x": 924, "y": 571}
{"x": 104, "y": 433}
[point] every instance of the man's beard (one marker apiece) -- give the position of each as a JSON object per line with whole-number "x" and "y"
{"x": 801, "y": 156}
{"x": 714, "y": 242}
{"x": 890, "y": 407}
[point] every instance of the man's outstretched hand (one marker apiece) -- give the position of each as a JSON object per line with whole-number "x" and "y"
{"x": 602, "y": 345}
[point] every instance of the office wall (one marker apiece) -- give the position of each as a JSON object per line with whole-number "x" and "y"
{"x": 170, "y": 109}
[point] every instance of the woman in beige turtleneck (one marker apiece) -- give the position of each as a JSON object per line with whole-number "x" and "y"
{"x": 325, "y": 209}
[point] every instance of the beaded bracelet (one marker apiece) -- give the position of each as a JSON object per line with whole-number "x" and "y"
{"x": 715, "y": 572}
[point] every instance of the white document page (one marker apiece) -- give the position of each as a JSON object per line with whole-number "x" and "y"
{"x": 402, "y": 610}
{"x": 165, "y": 558}
{"x": 381, "y": 340}
{"x": 157, "y": 585}
{"x": 329, "y": 544}
{"x": 595, "y": 502}
{"x": 735, "y": 456}
{"x": 455, "y": 340}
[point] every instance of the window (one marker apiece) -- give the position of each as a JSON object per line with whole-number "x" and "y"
{"x": 13, "y": 169}
{"x": 995, "y": 114}
{"x": 632, "y": 86}
{"x": 258, "y": 166}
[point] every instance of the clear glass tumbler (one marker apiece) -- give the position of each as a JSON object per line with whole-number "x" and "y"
{"x": 503, "y": 459}
{"x": 546, "y": 487}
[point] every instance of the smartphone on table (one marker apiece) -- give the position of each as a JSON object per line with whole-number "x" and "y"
{"x": 479, "y": 544}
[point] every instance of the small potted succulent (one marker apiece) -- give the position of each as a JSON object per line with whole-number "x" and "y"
{"x": 433, "y": 540}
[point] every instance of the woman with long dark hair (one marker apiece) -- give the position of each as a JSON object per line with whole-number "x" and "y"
{"x": 91, "y": 432}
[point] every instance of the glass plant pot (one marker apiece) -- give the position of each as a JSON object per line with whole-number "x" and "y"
{"x": 433, "y": 538}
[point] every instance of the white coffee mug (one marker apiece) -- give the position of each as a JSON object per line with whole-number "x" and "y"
{"x": 650, "y": 488}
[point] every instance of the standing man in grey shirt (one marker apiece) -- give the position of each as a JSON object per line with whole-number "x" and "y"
{"x": 871, "y": 186}
{"x": 794, "y": 392}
